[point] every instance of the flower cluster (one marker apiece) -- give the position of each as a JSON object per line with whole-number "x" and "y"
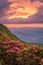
{"x": 17, "y": 53}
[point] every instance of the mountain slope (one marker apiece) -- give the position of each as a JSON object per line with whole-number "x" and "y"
{"x": 17, "y": 53}
{"x": 5, "y": 34}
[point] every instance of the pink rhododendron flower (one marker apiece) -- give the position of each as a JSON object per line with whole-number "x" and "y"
{"x": 10, "y": 50}
{"x": 36, "y": 58}
{"x": 41, "y": 62}
{"x": 18, "y": 43}
{"x": 41, "y": 48}
{"x": 35, "y": 50}
{"x": 11, "y": 41}
{"x": 4, "y": 42}
{"x": 22, "y": 44}
{"x": 35, "y": 46}
{"x": 7, "y": 51}
{"x": 17, "y": 48}
{"x": 25, "y": 49}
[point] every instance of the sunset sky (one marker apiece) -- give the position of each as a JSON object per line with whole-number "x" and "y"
{"x": 21, "y": 11}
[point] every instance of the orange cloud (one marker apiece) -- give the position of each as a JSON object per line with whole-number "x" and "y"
{"x": 27, "y": 10}
{"x": 22, "y": 8}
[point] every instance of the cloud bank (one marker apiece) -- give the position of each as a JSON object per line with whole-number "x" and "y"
{"x": 20, "y": 10}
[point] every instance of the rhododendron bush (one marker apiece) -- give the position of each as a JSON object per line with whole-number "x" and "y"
{"x": 17, "y": 53}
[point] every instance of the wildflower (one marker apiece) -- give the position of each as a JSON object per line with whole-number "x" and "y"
{"x": 35, "y": 50}
{"x": 41, "y": 48}
{"x": 4, "y": 42}
{"x": 25, "y": 49}
{"x": 11, "y": 41}
{"x": 41, "y": 62}
{"x": 10, "y": 50}
{"x": 17, "y": 48}
{"x": 35, "y": 46}
{"x": 36, "y": 58}
{"x": 18, "y": 44}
